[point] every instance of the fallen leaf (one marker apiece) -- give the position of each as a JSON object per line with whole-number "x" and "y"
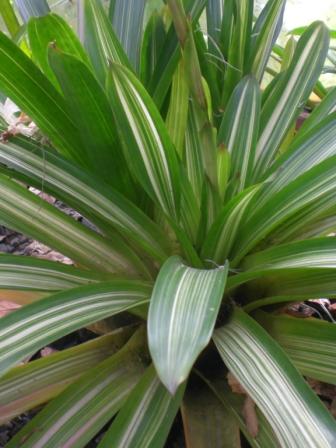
{"x": 250, "y": 416}
{"x": 235, "y": 385}
{"x": 46, "y": 351}
{"x": 249, "y": 410}
{"x": 7, "y": 307}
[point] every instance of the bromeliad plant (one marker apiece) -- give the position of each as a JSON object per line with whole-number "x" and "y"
{"x": 209, "y": 214}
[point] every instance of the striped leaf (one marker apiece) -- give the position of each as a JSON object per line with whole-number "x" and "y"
{"x": 177, "y": 116}
{"x": 309, "y": 343}
{"x": 23, "y": 273}
{"x": 299, "y": 203}
{"x": 99, "y": 39}
{"x": 239, "y": 47}
{"x": 200, "y": 95}
{"x": 42, "y": 31}
{"x": 127, "y": 18}
{"x": 291, "y": 286}
{"x": 78, "y": 413}
{"x": 238, "y": 132}
{"x": 27, "y": 87}
{"x": 223, "y": 169}
{"x": 92, "y": 114}
{"x": 265, "y": 32}
{"x": 146, "y": 417}
{"x": 305, "y": 268}
{"x": 32, "y": 8}
{"x": 182, "y": 314}
{"x": 37, "y": 382}
{"x": 225, "y": 230}
{"x": 103, "y": 206}
{"x": 326, "y": 107}
{"x": 290, "y": 94}
{"x": 315, "y": 253}
{"x": 306, "y": 151}
{"x": 193, "y": 157}
{"x": 278, "y": 389}
{"x": 301, "y": 29}
{"x": 25, "y": 212}
{"x": 34, "y": 326}
{"x": 170, "y": 55}
{"x": 147, "y": 146}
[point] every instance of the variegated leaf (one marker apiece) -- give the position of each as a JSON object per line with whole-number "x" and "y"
{"x": 38, "y": 381}
{"x": 238, "y": 132}
{"x": 274, "y": 384}
{"x": 284, "y": 105}
{"x": 309, "y": 343}
{"x": 182, "y": 314}
{"x": 34, "y": 326}
{"x": 146, "y": 417}
{"x": 82, "y": 409}
{"x": 146, "y": 143}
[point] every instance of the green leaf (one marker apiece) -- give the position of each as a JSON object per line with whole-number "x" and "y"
{"x": 266, "y": 29}
{"x": 234, "y": 406}
{"x": 170, "y": 55}
{"x": 92, "y": 114}
{"x": 147, "y": 146}
{"x": 225, "y": 230}
{"x": 201, "y": 104}
{"x": 202, "y": 410}
{"x": 239, "y": 48}
{"x": 146, "y": 417}
{"x": 290, "y": 94}
{"x": 177, "y": 116}
{"x": 28, "y": 273}
{"x": 34, "y": 326}
{"x": 9, "y": 17}
{"x": 291, "y": 269}
{"x": 190, "y": 218}
{"x": 299, "y": 203}
{"x": 301, "y": 29}
{"x": 309, "y": 343}
{"x": 52, "y": 29}
{"x": 24, "y": 84}
{"x": 214, "y": 15}
{"x": 32, "y": 8}
{"x": 37, "y": 382}
{"x": 77, "y": 414}
{"x": 238, "y": 132}
{"x": 326, "y": 107}
{"x": 152, "y": 42}
{"x": 227, "y": 28}
{"x": 193, "y": 154}
{"x": 211, "y": 71}
{"x": 223, "y": 169}
{"x": 306, "y": 151}
{"x": 182, "y": 314}
{"x": 127, "y": 18}
{"x": 318, "y": 252}
{"x": 288, "y": 53}
{"x": 103, "y": 206}
{"x": 29, "y": 214}
{"x": 99, "y": 39}
{"x": 278, "y": 389}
